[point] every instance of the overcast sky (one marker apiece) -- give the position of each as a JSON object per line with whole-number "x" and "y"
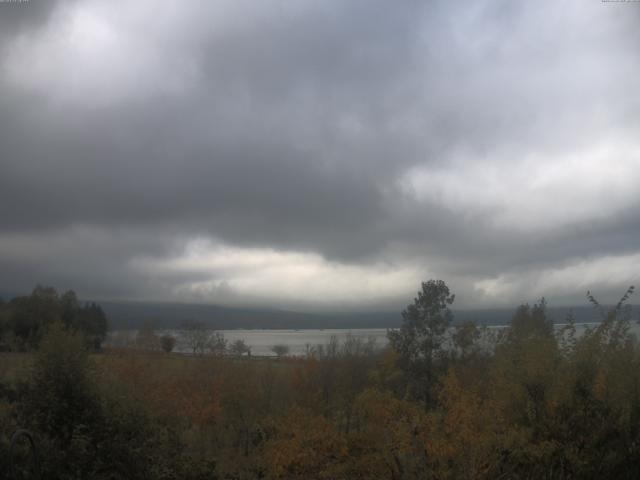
{"x": 320, "y": 154}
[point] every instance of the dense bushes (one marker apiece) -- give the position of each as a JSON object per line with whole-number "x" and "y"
{"x": 83, "y": 432}
{"x": 530, "y": 401}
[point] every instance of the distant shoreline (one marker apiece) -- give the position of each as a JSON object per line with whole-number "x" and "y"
{"x": 131, "y": 316}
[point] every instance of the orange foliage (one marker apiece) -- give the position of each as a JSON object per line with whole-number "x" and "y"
{"x": 462, "y": 436}
{"x": 305, "y": 446}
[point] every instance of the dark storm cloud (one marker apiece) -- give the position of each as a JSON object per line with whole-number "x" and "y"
{"x": 300, "y": 127}
{"x": 251, "y": 154}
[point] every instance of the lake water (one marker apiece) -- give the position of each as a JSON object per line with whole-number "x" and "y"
{"x": 262, "y": 341}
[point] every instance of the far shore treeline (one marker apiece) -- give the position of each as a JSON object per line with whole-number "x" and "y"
{"x": 23, "y": 319}
{"x": 134, "y": 315}
{"x": 443, "y": 400}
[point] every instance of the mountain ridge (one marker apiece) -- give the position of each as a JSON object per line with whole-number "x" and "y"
{"x": 131, "y": 315}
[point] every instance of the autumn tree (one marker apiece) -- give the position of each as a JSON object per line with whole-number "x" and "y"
{"x": 239, "y": 348}
{"x": 531, "y": 322}
{"x": 92, "y": 322}
{"x": 387, "y": 441}
{"x": 304, "y": 445}
{"x": 419, "y": 341}
{"x": 218, "y": 345}
{"x": 59, "y": 400}
{"x": 196, "y": 336}
{"x": 465, "y": 337}
{"x": 525, "y": 366}
{"x": 89, "y": 319}
{"x": 167, "y": 343}
{"x": 356, "y": 360}
{"x": 29, "y": 315}
{"x": 465, "y": 437}
{"x": 280, "y": 350}
{"x": 86, "y": 429}
{"x": 25, "y": 318}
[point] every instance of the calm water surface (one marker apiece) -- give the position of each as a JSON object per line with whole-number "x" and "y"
{"x": 261, "y": 341}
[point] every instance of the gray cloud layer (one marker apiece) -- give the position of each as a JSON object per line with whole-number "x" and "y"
{"x": 328, "y": 143}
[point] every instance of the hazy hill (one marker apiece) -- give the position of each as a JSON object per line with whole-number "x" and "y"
{"x": 130, "y": 315}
